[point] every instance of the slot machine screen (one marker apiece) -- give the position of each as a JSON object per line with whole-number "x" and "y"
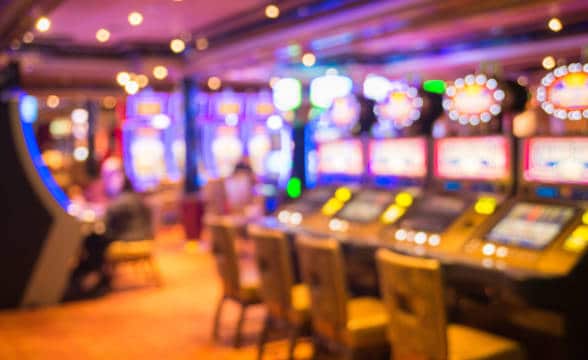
{"x": 433, "y": 213}
{"x": 556, "y": 160}
{"x": 531, "y": 225}
{"x": 344, "y": 157}
{"x": 473, "y": 158}
{"x": 398, "y": 157}
{"x": 366, "y": 206}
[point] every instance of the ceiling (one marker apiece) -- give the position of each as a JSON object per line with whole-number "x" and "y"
{"x": 401, "y": 38}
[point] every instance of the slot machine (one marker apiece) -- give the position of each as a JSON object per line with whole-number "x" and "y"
{"x": 529, "y": 261}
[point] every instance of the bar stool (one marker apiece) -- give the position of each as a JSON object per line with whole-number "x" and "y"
{"x": 412, "y": 289}
{"x": 288, "y": 303}
{"x": 235, "y": 286}
{"x": 355, "y": 328}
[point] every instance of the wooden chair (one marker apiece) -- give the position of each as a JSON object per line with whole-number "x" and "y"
{"x": 412, "y": 289}
{"x": 287, "y": 303}
{"x": 235, "y": 286}
{"x": 352, "y": 327}
{"x": 138, "y": 253}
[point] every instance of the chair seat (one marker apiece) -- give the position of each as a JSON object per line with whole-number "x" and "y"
{"x": 366, "y": 322}
{"x": 300, "y": 309}
{"x": 129, "y": 250}
{"x": 468, "y": 343}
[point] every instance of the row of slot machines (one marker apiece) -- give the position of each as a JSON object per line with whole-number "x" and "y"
{"x": 507, "y": 218}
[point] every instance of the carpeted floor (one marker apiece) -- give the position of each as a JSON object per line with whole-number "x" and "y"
{"x": 138, "y": 320}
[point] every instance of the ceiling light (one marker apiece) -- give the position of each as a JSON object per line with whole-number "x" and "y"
{"x": 555, "y": 24}
{"x": 43, "y": 24}
{"x": 177, "y": 45}
{"x": 272, "y": 11}
{"x": 214, "y": 83}
{"x": 308, "y": 59}
{"x": 548, "y": 62}
{"x": 102, "y": 35}
{"x": 122, "y": 78}
{"x": 132, "y": 87}
{"x": 28, "y": 37}
{"x": 142, "y": 80}
{"x": 135, "y": 18}
{"x": 160, "y": 72}
{"x": 202, "y": 43}
{"x": 52, "y": 101}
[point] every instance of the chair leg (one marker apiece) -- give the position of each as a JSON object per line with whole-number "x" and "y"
{"x": 292, "y": 338}
{"x": 237, "y": 342}
{"x": 267, "y": 324}
{"x": 217, "y": 317}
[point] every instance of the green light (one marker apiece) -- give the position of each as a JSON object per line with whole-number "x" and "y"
{"x": 294, "y": 188}
{"x": 434, "y": 86}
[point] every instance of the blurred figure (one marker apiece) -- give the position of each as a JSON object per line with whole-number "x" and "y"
{"x": 128, "y": 218}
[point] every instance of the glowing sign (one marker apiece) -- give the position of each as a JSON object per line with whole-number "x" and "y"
{"x": 324, "y": 89}
{"x": 405, "y": 157}
{"x": 556, "y": 160}
{"x": 376, "y": 87}
{"x": 287, "y": 94}
{"x": 341, "y": 157}
{"x": 401, "y": 107}
{"x": 147, "y": 153}
{"x": 344, "y": 111}
{"x": 259, "y": 146}
{"x": 564, "y": 92}
{"x": 473, "y": 99}
{"x": 149, "y": 108}
{"x": 473, "y": 158}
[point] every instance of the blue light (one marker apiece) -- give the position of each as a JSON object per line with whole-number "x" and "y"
{"x": 28, "y": 108}
{"x": 28, "y": 132}
{"x": 547, "y": 192}
{"x": 452, "y": 186}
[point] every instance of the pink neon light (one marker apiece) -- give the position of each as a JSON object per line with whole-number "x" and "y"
{"x": 403, "y": 157}
{"x": 344, "y": 157}
{"x": 562, "y": 160}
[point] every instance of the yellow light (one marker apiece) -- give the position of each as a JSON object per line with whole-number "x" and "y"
{"x": 43, "y": 24}
{"x": 202, "y": 43}
{"x": 331, "y": 207}
{"x": 308, "y": 59}
{"x": 122, "y": 78}
{"x": 343, "y": 194}
{"x": 485, "y": 206}
{"x": 28, "y": 37}
{"x": 160, "y": 72}
{"x": 177, "y": 45}
{"x": 102, "y": 35}
{"x": 578, "y": 240}
{"x": 109, "y": 102}
{"x": 52, "y": 101}
{"x": 142, "y": 80}
{"x": 392, "y": 213}
{"x": 404, "y": 199}
{"x": 135, "y": 18}
{"x": 555, "y": 24}
{"x": 585, "y": 218}
{"x": 548, "y": 62}
{"x": 272, "y": 11}
{"x": 214, "y": 83}
{"x": 131, "y": 87}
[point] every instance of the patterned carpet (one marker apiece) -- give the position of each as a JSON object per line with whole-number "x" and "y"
{"x": 138, "y": 320}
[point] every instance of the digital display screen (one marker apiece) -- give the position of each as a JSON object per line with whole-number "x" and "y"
{"x": 531, "y": 225}
{"x": 366, "y": 206}
{"x": 433, "y": 213}
{"x": 473, "y": 158}
{"x": 343, "y": 157}
{"x": 402, "y": 157}
{"x": 557, "y": 160}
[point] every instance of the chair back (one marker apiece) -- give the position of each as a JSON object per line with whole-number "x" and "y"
{"x": 225, "y": 254}
{"x": 322, "y": 269}
{"x": 275, "y": 268}
{"x": 412, "y": 290}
